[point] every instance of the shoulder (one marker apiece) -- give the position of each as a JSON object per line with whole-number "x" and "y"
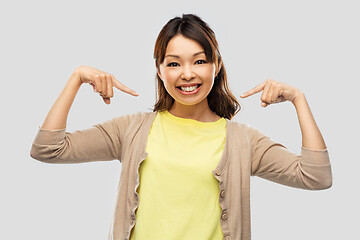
{"x": 133, "y": 118}
{"x": 238, "y": 126}
{"x": 242, "y": 129}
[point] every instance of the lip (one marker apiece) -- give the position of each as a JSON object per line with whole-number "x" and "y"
{"x": 189, "y": 85}
{"x": 189, "y": 93}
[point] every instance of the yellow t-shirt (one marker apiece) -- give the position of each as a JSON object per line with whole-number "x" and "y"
{"x": 178, "y": 194}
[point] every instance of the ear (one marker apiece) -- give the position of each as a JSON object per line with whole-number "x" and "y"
{"x": 217, "y": 72}
{"x": 158, "y": 71}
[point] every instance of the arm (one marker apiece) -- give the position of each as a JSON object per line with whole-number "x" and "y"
{"x": 102, "y": 83}
{"x": 53, "y": 144}
{"x": 311, "y": 136}
{"x": 271, "y": 160}
{"x": 102, "y": 142}
{"x": 275, "y": 92}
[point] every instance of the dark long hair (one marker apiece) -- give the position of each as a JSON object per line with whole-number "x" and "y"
{"x": 220, "y": 99}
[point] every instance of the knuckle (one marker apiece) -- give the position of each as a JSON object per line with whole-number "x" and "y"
{"x": 79, "y": 68}
{"x": 270, "y": 82}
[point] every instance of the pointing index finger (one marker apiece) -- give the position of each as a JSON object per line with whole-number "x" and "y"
{"x": 256, "y": 89}
{"x": 123, "y": 88}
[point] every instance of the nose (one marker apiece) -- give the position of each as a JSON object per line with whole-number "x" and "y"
{"x": 187, "y": 73}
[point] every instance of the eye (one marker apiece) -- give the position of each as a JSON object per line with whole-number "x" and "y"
{"x": 201, "y": 60}
{"x": 172, "y": 64}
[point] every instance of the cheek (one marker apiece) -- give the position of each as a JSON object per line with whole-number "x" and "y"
{"x": 208, "y": 71}
{"x": 207, "y": 74}
{"x": 170, "y": 77}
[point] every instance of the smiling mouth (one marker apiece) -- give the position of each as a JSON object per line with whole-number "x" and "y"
{"x": 189, "y": 89}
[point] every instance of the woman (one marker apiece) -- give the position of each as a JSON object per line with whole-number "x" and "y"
{"x": 186, "y": 166}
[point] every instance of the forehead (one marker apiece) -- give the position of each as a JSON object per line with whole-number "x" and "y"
{"x": 181, "y": 45}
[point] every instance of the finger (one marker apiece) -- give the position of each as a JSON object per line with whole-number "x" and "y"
{"x": 256, "y": 89}
{"x": 103, "y": 85}
{"x": 97, "y": 83}
{"x": 123, "y": 88}
{"x": 271, "y": 93}
{"x": 93, "y": 85}
{"x": 265, "y": 96}
{"x": 106, "y": 100}
{"x": 110, "y": 92}
{"x": 276, "y": 94}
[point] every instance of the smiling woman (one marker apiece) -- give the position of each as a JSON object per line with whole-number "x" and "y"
{"x": 191, "y": 75}
{"x": 186, "y": 166}
{"x": 187, "y": 77}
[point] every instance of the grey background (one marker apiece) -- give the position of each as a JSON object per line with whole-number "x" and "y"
{"x": 312, "y": 45}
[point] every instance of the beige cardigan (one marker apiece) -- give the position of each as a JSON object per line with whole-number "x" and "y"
{"x": 247, "y": 153}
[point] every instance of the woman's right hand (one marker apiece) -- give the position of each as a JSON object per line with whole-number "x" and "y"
{"x": 102, "y": 82}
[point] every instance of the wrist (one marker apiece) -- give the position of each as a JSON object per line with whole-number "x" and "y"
{"x": 75, "y": 79}
{"x": 299, "y": 97}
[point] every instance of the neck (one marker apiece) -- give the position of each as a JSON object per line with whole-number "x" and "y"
{"x": 200, "y": 112}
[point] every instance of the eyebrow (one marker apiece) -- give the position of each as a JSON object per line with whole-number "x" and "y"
{"x": 176, "y": 56}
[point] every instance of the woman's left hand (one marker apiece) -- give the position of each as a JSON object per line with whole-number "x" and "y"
{"x": 274, "y": 92}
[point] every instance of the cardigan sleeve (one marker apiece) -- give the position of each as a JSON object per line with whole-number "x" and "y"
{"x": 273, "y": 161}
{"x": 101, "y": 142}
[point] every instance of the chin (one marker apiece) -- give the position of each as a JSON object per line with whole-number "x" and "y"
{"x": 189, "y": 102}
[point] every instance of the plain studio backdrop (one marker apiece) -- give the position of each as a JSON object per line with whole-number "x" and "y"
{"x": 310, "y": 44}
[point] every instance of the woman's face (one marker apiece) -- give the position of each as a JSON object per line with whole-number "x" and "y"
{"x": 186, "y": 74}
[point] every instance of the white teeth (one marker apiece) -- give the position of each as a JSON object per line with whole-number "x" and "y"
{"x": 189, "y": 89}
